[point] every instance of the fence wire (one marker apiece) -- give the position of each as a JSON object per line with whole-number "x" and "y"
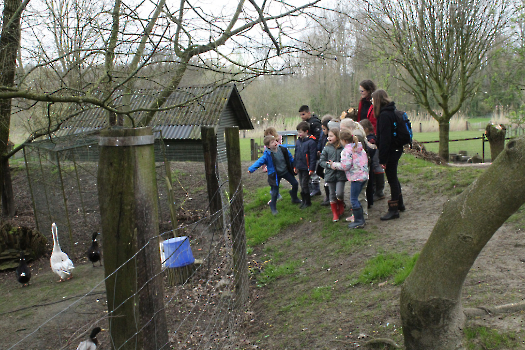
{"x": 202, "y": 310}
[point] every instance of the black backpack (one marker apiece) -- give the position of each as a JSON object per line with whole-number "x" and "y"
{"x": 402, "y": 130}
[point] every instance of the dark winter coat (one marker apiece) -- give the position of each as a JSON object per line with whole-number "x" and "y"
{"x": 333, "y": 154}
{"x": 268, "y": 159}
{"x": 315, "y": 127}
{"x": 305, "y": 153}
{"x": 366, "y": 111}
{"x": 385, "y": 129}
{"x": 323, "y": 139}
{"x": 374, "y": 155}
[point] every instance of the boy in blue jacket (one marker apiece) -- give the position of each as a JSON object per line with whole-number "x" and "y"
{"x": 305, "y": 160}
{"x": 279, "y": 162}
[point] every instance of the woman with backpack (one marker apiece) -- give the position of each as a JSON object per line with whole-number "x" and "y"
{"x": 389, "y": 154}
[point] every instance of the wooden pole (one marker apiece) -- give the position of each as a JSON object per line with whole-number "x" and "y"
{"x": 127, "y": 191}
{"x": 240, "y": 265}
{"x": 252, "y": 148}
{"x": 209, "y": 146}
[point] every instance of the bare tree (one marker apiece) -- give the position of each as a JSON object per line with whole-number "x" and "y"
{"x": 9, "y": 46}
{"x": 431, "y": 310}
{"x": 438, "y": 48}
{"x": 100, "y": 49}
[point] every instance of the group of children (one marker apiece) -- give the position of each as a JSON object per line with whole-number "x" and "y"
{"x": 348, "y": 154}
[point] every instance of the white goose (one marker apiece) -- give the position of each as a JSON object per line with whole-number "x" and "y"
{"x": 60, "y": 262}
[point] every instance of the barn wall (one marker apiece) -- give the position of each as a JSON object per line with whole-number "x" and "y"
{"x": 227, "y": 119}
{"x": 180, "y": 150}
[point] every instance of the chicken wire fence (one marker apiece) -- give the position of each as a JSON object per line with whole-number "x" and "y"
{"x": 201, "y": 308}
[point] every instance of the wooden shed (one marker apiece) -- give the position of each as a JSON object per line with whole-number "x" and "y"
{"x": 179, "y": 128}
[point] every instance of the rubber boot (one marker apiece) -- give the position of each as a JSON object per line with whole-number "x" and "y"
{"x": 392, "y": 213}
{"x": 401, "y": 205}
{"x": 273, "y": 204}
{"x": 326, "y": 201}
{"x": 303, "y": 202}
{"x": 316, "y": 189}
{"x": 341, "y": 205}
{"x": 307, "y": 200}
{"x": 335, "y": 211}
{"x": 293, "y": 194}
{"x": 380, "y": 186}
{"x": 359, "y": 218}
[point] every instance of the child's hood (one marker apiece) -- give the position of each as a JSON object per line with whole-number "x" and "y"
{"x": 358, "y": 149}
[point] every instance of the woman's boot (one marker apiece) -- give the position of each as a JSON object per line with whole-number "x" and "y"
{"x": 393, "y": 212}
{"x": 335, "y": 211}
{"x": 359, "y": 218}
{"x": 401, "y": 205}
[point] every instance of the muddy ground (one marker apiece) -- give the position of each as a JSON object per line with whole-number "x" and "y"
{"x": 343, "y": 317}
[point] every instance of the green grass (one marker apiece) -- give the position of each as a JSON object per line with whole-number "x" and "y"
{"x": 489, "y": 339}
{"x": 389, "y": 265}
{"x": 438, "y": 179}
{"x": 272, "y": 271}
{"x": 261, "y": 224}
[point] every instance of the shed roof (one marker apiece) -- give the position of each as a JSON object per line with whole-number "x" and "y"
{"x": 210, "y": 102}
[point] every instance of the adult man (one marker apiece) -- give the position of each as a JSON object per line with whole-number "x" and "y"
{"x": 315, "y": 130}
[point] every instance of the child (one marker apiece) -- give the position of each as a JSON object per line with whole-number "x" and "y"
{"x": 279, "y": 162}
{"x": 335, "y": 179}
{"x": 354, "y": 162}
{"x": 271, "y": 131}
{"x": 305, "y": 160}
{"x": 320, "y": 146}
{"x": 357, "y": 130}
{"x": 376, "y": 181}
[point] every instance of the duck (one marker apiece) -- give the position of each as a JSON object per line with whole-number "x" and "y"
{"x": 23, "y": 273}
{"x": 60, "y": 262}
{"x": 93, "y": 252}
{"x": 92, "y": 342}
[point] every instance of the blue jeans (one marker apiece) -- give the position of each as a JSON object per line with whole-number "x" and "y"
{"x": 274, "y": 190}
{"x": 355, "y": 189}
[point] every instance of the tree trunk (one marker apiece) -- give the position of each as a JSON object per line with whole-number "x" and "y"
{"x": 130, "y": 231}
{"x": 8, "y": 198}
{"x": 431, "y": 309}
{"x": 496, "y": 136}
{"x": 9, "y": 45}
{"x": 444, "y": 136}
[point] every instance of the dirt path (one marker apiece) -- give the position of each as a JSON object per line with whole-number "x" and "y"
{"x": 353, "y": 313}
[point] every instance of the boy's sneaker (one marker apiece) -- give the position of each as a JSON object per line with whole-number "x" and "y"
{"x": 350, "y": 219}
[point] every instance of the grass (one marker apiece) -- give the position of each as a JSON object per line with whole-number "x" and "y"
{"x": 437, "y": 179}
{"x": 489, "y": 339}
{"x": 384, "y": 266}
{"x": 261, "y": 224}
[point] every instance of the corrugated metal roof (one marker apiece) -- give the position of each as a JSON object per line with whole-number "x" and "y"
{"x": 177, "y": 123}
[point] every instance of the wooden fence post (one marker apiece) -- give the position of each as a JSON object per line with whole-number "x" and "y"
{"x": 209, "y": 146}
{"x": 253, "y": 150}
{"x": 127, "y": 191}
{"x": 240, "y": 265}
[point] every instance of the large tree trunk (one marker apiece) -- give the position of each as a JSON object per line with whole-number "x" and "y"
{"x": 431, "y": 309}
{"x": 444, "y": 136}
{"x": 9, "y": 44}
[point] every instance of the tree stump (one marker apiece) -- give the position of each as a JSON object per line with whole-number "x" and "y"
{"x": 496, "y": 135}
{"x": 179, "y": 275}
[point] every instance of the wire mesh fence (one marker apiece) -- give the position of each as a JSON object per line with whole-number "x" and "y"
{"x": 200, "y": 299}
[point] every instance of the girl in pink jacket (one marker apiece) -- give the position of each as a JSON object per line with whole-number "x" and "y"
{"x": 354, "y": 161}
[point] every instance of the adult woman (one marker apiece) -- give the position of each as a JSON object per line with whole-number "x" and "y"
{"x": 365, "y": 111}
{"x": 384, "y": 111}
